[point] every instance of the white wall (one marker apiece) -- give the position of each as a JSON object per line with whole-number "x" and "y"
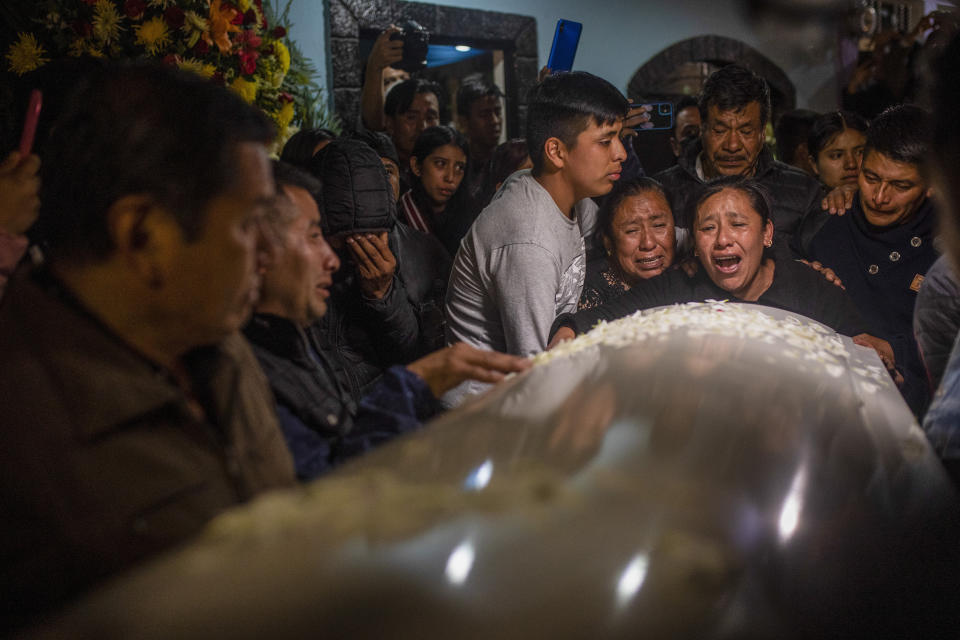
{"x": 620, "y": 35}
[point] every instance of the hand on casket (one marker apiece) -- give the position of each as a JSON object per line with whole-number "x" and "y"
{"x": 444, "y": 369}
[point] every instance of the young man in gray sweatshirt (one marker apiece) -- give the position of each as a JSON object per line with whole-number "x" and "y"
{"x": 522, "y": 262}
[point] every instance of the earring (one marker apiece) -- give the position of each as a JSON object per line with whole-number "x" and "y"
{"x": 768, "y": 244}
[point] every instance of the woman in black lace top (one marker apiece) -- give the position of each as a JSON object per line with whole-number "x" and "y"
{"x": 636, "y": 227}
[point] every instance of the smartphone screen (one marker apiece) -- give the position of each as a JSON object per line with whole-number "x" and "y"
{"x": 661, "y": 116}
{"x": 565, "y": 40}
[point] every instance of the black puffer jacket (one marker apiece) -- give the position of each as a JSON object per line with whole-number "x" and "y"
{"x": 366, "y": 336}
{"x": 357, "y": 197}
{"x": 793, "y": 192}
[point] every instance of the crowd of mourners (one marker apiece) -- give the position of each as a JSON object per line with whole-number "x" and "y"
{"x": 187, "y": 323}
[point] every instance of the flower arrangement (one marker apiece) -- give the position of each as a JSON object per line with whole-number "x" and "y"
{"x": 228, "y": 41}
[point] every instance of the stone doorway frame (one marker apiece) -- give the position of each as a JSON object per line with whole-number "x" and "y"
{"x": 718, "y": 50}
{"x": 514, "y": 34}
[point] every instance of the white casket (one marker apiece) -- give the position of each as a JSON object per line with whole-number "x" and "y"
{"x": 706, "y": 471}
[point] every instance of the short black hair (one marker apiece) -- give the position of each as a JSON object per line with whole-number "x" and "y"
{"x": 471, "y": 91}
{"x": 299, "y": 148}
{"x": 731, "y": 88}
{"x": 756, "y": 193}
{"x": 400, "y": 97}
{"x": 286, "y": 174}
{"x": 622, "y": 190}
{"x": 140, "y": 129}
{"x": 278, "y": 217}
{"x": 379, "y": 142}
{"x": 562, "y": 106}
{"x": 830, "y": 124}
{"x": 901, "y": 133}
{"x": 791, "y": 131}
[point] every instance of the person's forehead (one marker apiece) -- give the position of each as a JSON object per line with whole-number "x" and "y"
{"x": 595, "y": 129}
{"x": 448, "y": 152}
{"x": 391, "y": 73}
{"x": 889, "y": 169}
{"x": 389, "y": 163}
{"x": 644, "y": 205}
{"x": 424, "y": 101}
{"x": 485, "y": 103}
{"x": 304, "y": 203}
{"x": 749, "y": 113}
{"x": 727, "y": 202}
{"x": 688, "y": 115}
{"x": 845, "y": 138}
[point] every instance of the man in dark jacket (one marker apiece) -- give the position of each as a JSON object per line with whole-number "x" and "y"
{"x": 735, "y": 109}
{"x": 883, "y": 246}
{"x": 133, "y": 412}
{"x": 321, "y": 424}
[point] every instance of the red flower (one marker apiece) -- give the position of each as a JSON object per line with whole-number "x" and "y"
{"x": 285, "y": 97}
{"x": 238, "y": 18}
{"x": 248, "y": 39}
{"x": 250, "y": 17}
{"x": 174, "y": 17}
{"x": 81, "y": 28}
{"x": 171, "y": 60}
{"x": 248, "y": 61}
{"x": 201, "y": 48}
{"x": 278, "y": 32}
{"x": 134, "y": 8}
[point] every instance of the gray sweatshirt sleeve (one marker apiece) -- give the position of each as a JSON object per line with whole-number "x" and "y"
{"x": 526, "y": 278}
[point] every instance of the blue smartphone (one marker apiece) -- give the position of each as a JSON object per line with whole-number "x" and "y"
{"x": 661, "y": 116}
{"x": 564, "y": 48}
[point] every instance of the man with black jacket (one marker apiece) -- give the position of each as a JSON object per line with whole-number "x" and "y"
{"x": 320, "y": 422}
{"x": 883, "y": 247}
{"x": 735, "y": 108}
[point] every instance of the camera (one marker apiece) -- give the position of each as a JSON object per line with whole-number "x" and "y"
{"x": 415, "y": 41}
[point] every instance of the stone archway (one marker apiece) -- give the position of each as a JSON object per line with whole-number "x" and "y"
{"x": 515, "y": 35}
{"x": 695, "y": 58}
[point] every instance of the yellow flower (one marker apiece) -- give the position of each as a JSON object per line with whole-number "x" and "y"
{"x": 283, "y": 117}
{"x": 247, "y": 89}
{"x": 77, "y": 48}
{"x": 243, "y": 5}
{"x": 153, "y": 35}
{"x": 106, "y": 21}
{"x": 26, "y": 54}
{"x": 283, "y": 55}
{"x": 193, "y": 27}
{"x": 201, "y": 68}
